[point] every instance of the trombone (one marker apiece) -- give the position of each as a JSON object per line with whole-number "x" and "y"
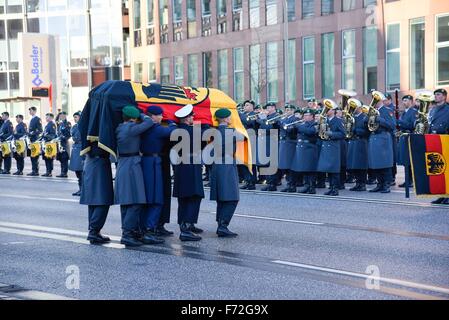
{"x": 286, "y": 126}
{"x": 277, "y": 118}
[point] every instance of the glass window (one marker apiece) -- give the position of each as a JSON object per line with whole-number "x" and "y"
{"x": 163, "y": 12}
{"x": 443, "y": 51}
{"x": 254, "y": 14}
{"x": 150, "y": 12}
{"x": 137, "y": 15}
{"x": 348, "y": 59}
{"x": 291, "y": 70}
{"x": 14, "y": 27}
{"x": 308, "y": 8}
{"x": 76, "y": 5}
{"x": 367, "y": 3}
{"x": 179, "y": 71}
{"x": 56, "y": 5}
{"x": 3, "y": 81}
{"x": 193, "y": 70}
{"x": 3, "y": 48}
{"x": 271, "y": 12}
{"x": 165, "y": 70}
{"x": 239, "y": 85}
{"x": 370, "y": 58}
{"x": 191, "y": 18}
{"x": 207, "y": 69}
{"x": 291, "y": 10}
{"x": 272, "y": 72}
{"x": 78, "y": 78}
{"x": 223, "y": 83}
{"x": 205, "y": 7}
{"x": 14, "y": 82}
{"x": 2, "y": 6}
{"x": 14, "y": 6}
{"x": 236, "y": 4}
{"x": 35, "y": 5}
{"x": 393, "y": 57}
{"x": 78, "y": 44}
{"x": 37, "y": 25}
{"x": 221, "y": 8}
{"x": 152, "y": 72}
{"x": 328, "y": 64}
{"x": 177, "y": 11}
{"x": 417, "y": 53}
{"x": 327, "y": 7}
{"x": 255, "y": 69}
{"x": 138, "y": 72}
{"x": 308, "y": 67}
{"x": 348, "y": 5}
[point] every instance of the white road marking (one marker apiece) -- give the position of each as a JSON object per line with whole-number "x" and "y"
{"x": 37, "y": 198}
{"x": 403, "y": 283}
{"x": 280, "y": 220}
{"x": 70, "y": 236}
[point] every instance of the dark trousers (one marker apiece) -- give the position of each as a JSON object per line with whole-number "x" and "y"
{"x": 79, "y": 176}
{"x": 384, "y": 176}
{"x": 309, "y": 179}
{"x": 7, "y": 164}
{"x": 334, "y": 180}
{"x": 49, "y": 165}
{"x": 371, "y": 174}
{"x": 64, "y": 160}
{"x": 20, "y": 162}
{"x": 360, "y": 175}
{"x": 131, "y": 217}
{"x": 273, "y": 180}
{"x": 97, "y": 217}
{"x": 189, "y": 209}
{"x": 320, "y": 178}
{"x": 166, "y": 207}
{"x": 343, "y": 176}
{"x": 226, "y": 210}
{"x": 250, "y": 178}
{"x": 290, "y": 176}
{"x": 150, "y": 216}
{"x": 35, "y": 165}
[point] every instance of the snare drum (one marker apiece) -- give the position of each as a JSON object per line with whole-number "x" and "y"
{"x": 51, "y": 150}
{"x": 5, "y": 148}
{"x": 20, "y": 147}
{"x": 35, "y": 148}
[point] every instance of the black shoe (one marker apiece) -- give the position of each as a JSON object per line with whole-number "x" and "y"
{"x": 261, "y": 181}
{"x": 377, "y": 189}
{"x": 321, "y": 186}
{"x": 269, "y": 188}
{"x": 312, "y": 190}
{"x": 245, "y": 187}
{"x": 97, "y": 238}
{"x": 194, "y": 229}
{"x": 6, "y": 172}
{"x": 385, "y": 189}
{"x": 288, "y": 190}
{"x": 150, "y": 238}
{"x": 224, "y": 232}
{"x": 333, "y": 192}
{"x": 371, "y": 182}
{"x": 47, "y": 175}
{"x": 160, "y": 231}
{"x": 77, "y": 194}
{"x": 18, "y": 173}
{"x": 350, "y": 180}
{"x": 439, "y": 201}
{"x": 33, "y": 174}
{"x": 251, "y": 187}
{"x": 304, "y": 190}
{"x": 130, "y": 239}
{"x": 359, "y": 188}
{"x": 186, "y": 234}
{"x": 392, "y": 183}
{"x": 62, "y": 176}
{"x": 446, "y": 201}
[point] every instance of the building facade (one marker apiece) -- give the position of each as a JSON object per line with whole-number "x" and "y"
{"x": 91, "y": 41}
{"x": 291, "y": 50}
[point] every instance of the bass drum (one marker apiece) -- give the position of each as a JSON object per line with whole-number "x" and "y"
{"x": 5, "y": 149}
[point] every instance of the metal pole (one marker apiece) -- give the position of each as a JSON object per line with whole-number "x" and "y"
{"x": 89, "y": 46}
{"x": 286, "y": 64}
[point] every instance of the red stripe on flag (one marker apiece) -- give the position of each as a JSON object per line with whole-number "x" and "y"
{"x": 437, "y": 184}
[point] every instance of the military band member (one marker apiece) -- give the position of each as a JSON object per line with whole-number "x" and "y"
{"x": 406, "y": 125}
{"x": 357, "y": 158}
{"x": 188, "y": 184}
{"x": 287, "y": 149}
{"x": 264, "y": 138}
{"x": 34, "y": 134}
{"x": 330, "y": 154}
{"x": 306, "y": 155}
{"x": 49, "y": 135}
{"x": 250, "y": 178}
{"x": 64, "y": 128}
{"x": 6, "y": 134}
{"x": 344, "y": 154}
{"x": 320, "y": 176}
{"x": 152, "y": 146}
{"x": 388, "y": 102}
{"x": 380, "y": 149}
{"x": 76, "y": 160}
{"x": 224, "y": 176}
{"x": 129, "y": 182}
{"x": 439, "y": 123}
{"x": 20, "y": 131}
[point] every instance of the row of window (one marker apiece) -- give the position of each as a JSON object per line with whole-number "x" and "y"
{"x": 263, "y": 71}
{"x": 271, "y": 14}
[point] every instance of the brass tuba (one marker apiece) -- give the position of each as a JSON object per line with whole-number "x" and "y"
{"x": 353, "y": 104}
{"x": 425, "y": 98}
{"x": 348, "y": 119}
{"x": 373, "y": 113}
{"x": 323, "y": 128}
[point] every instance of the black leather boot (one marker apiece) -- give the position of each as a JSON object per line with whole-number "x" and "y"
{"x": 223, "y": 231}
{"x": 187, "y": 234}
{"x": 333, "y": 192}
{"x": 378, "y": 188}
{"x": 160, "y": 231}
{"x": 150, "y": 238}
{"x": 130, "y": 239}
{"x": 96, "y": 237}
{"x": 304, "y": 189}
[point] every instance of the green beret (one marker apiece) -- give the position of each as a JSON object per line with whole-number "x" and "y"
{"x": 131, "y": 112}
{"x": 309, "y": 110}
{"x": 223, "y": 113}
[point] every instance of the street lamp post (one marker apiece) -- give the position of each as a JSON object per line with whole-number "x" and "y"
{"x": 286, "y": 64}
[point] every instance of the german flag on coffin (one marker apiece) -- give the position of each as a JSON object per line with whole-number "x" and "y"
{"x": 429, "y": 155}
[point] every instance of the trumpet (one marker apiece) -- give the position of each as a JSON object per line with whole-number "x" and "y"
{"x": 253, "y": 117}
{"x": 277, "y": 118}
{"x": 286, "y": 126}
{"x": 373, "y": 113}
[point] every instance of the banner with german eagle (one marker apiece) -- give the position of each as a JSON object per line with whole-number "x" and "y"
{"x": 429, "y": 155}
{"x": 103, "y": 110}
